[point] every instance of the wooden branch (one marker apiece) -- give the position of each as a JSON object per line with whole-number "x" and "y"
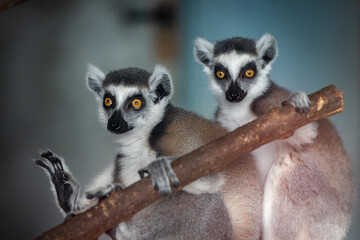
{"x": 278, "y": 123}
{"x": 6, "y": 4}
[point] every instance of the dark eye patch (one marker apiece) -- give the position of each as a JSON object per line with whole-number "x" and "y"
{"x": 220, "y": 67}
{"x": 109, "y": 95}
{"x": 132, "y": 98}
{"x": 252, "y": 66}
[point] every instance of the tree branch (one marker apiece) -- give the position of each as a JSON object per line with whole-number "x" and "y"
{"x": 278, "y": 123}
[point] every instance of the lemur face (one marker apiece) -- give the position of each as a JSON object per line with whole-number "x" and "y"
{"x": 131, "y": 99}
{"x": 237, "y": 67}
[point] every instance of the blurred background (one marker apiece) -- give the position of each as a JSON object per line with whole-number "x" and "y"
{"x": 46, "y": 45}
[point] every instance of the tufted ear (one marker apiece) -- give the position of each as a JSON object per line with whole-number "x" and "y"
{"x": 267, "y": 48}
{"x": 94, "y": 78}
{"x": 160, "y": 84}
{"x": 203, "y": 51}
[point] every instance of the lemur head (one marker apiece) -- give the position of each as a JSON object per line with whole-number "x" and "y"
{"x": 237, "y": 67}
{"x": 131, "y": 100}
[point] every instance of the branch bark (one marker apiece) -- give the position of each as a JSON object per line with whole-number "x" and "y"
{"x": 278, "y": 123}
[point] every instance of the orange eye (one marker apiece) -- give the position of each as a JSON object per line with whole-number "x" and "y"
{"x": 136, "y": 103}
{"x": 249, "y": 73}
{"x": 108, "y": 102}
{"x": 220, "y": 74}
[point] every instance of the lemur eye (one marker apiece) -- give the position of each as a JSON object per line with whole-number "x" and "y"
{"x": 136, "y": 103}
{"x": 220, "y": 74}
{"x": 249, "y": 73}
{"x": 108, "y": 102}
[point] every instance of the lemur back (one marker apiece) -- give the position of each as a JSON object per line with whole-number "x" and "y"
{"x": 308, "y": 188}
{"x": 182, "y": 131}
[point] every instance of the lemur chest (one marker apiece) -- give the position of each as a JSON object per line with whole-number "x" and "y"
{"x": 136, "y": 157}
{"x": 237, "y": 115}
{"x": 234, "y": 116}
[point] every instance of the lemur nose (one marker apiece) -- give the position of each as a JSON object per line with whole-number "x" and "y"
{"x": 234, "y": 96}
{"x": 115, "y": 125}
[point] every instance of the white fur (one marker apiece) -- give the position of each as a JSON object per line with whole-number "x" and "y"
{"x": 304, "y": 135}
{"x": 202, "y": 45}
{"x": 95, "y": 73}
{"x": 234, "y": 115}
{"x": 211, "y": 184}
{"x": 269, "y": 194}
{"x": 264, "y": 157}
{"x": 139, "y": 156}
{"x": 264, "y": 43}
{"x": 102, "y": 180}
{"x": 94, "y": 77}
{"x": 157, "y": 76}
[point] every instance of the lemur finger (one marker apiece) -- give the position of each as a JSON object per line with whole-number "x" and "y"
{"x": 42, "y": 164}
{"x": 175, "y": 181}
{"x": 57, "y": 164}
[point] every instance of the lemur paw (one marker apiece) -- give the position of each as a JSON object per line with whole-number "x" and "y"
{"x": 64, "y": 183}
{"x": 160, "y": 171}
{"x": 101, "y": 193}
{"x": 300, "y": 101}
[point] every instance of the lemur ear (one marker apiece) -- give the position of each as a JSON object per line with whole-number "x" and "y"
{"x": 160, "y": 84}
{"x": 94, "y": 78}
{"x": 203, "y": 51}
{"x": 267, "y": 48}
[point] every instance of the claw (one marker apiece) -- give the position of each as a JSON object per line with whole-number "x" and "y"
{"x": 42, "y": 164}
{"x": 46, "y": 154}
{"x": 142, "y": 173}
{"x": 69, "y": 216}
{"x": 90, "y": 196}
{"x": 176, "y": 184}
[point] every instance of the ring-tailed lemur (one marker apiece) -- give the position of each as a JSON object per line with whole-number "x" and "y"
{"x": 308, "y": 189}
{"x": 150, "y": 132}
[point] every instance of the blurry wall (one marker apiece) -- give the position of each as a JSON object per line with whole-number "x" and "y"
{"x": 44, "y": 49}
